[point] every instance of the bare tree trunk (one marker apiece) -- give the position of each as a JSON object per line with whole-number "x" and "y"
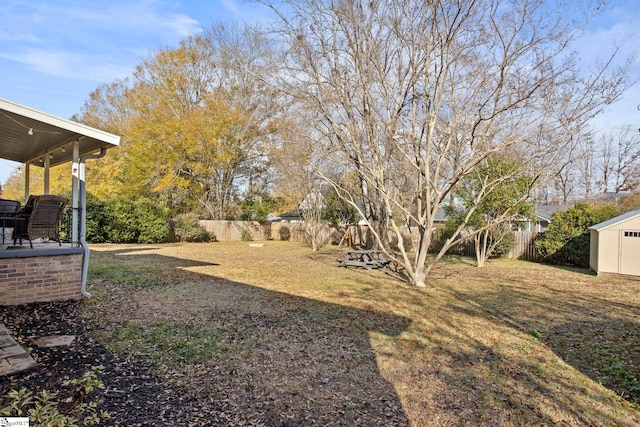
{"x": 480, "y": 241}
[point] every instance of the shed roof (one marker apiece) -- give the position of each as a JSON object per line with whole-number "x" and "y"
{"x": 613, "y": 221}
{"x": 26, "y": 135}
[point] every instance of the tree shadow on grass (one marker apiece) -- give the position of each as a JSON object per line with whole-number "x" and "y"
{"x": 485, "y": 356}
{"x": 608, "y": 352}
{"x": 271, "y": 357}
{"x": 570, "y": 268}
{"x": 141, "y": 252}
{"x": 597, "y": 337}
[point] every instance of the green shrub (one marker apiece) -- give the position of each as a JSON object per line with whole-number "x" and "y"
{"x": 136, "y": 221}
{"x": 47, "y": 409}
{"x": 504, "y": 246}
{"x": 98, "y": 218}
{"x": 567, "y": 239}
{"x": 151, "y": 221}
{"x": 246, "y": 235}
{"x": 188, "y": 229}
{"x": 442, "y": 234}
{"x": 266, "y": 231}
{"x": 255, "y": 209}
{"x": 337, "y": 211}
{"x": 123, "y": 226}
{"x": 284, "y": 232}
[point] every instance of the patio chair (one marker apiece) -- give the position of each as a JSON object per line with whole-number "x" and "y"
{"x": 40, "y": 219}
{"x": 8, "y": 206}
{"x": 8, "y": 209}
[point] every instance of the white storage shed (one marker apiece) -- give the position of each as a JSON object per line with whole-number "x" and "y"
{"x": 615, "y": 245}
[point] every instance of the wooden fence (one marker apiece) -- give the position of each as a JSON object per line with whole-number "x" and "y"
{"x": 232, "y": 230}
{"x": 523, "y": 247}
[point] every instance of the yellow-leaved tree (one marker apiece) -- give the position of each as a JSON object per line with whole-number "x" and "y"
{"x": 59, "y": 182}
{"x": 196, "y": 123}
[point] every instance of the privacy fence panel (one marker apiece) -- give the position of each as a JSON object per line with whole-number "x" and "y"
{"x": 523, "y": 247}
{"x": 356, "y": 236}
{"x": 232, "y": 230}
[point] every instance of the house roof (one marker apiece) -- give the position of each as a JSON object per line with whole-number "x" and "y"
{"x": 441, "y": 216}
{"x": 542, "y": 211}
{"x": 614, "y": 221}
{"x": 546, "y": 211}
{"x": 27, "y": 135}
{"x": 293, "y": 213}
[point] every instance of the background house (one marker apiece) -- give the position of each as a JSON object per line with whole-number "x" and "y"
{"x": 539, "y": 223}
{"x": 313, "y": 200}
{"x": 542, "y": 217}
{"x": 294, "y": 215}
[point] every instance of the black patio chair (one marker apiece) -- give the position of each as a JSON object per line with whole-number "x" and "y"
{"x": 9, "y": 206}
{"x": 40, "y": 219}
{"x": 8, "y": 209}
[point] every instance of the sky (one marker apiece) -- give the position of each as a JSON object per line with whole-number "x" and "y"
{"x": 54, "y": 53}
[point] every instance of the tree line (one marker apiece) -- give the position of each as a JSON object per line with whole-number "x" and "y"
{"x": 396, "y": 109}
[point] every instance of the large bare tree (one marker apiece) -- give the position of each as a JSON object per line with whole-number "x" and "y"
{"x": 619, "y": 163}
{"x": 412, "y": 95}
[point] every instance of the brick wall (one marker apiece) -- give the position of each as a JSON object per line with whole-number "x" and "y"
{"x": 40, "y": 278}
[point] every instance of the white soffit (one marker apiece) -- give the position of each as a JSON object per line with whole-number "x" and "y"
{"x": 26, "y": 135}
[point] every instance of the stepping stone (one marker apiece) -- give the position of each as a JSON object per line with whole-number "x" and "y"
{"x": 15, "y": 364}
{"x": 9, "y": 348}
{"x": 13, "y": 358}
{"x": 55, "y": 341}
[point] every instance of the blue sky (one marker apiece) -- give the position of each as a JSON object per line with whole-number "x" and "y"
{"x": 54, "y": 53}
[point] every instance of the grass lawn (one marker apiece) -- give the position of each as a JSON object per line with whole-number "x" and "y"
{"x": 286, "y": 335}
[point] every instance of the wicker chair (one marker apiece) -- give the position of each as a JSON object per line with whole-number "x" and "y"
{"x": 40, "y": 218}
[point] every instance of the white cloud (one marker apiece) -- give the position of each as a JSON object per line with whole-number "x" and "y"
{"x": 97, "y": 41}
{"x": 17, "y": 36}
{"x": 601, "y": 41}
{"x": 70, "y": 65}
{"x": 619, "y": 28}
{"x": 137, "y": 19}
{"x": 230, "y": 6}
{"x": 183, "y": 25}
{"x": 81, "y": 20}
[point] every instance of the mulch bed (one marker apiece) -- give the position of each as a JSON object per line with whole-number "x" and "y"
{"x": 133, "y": 394}
{"x": 136, "y": 395}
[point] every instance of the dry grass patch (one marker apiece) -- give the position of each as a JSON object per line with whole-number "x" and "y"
{"x": 289, "y": 338}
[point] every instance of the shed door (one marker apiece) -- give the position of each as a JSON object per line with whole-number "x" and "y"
{"x": 630, "y": 252}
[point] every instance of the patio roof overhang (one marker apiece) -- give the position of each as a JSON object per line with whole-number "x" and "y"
{"x": 35, "y": 138}
{"x": 28, "y": 135}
